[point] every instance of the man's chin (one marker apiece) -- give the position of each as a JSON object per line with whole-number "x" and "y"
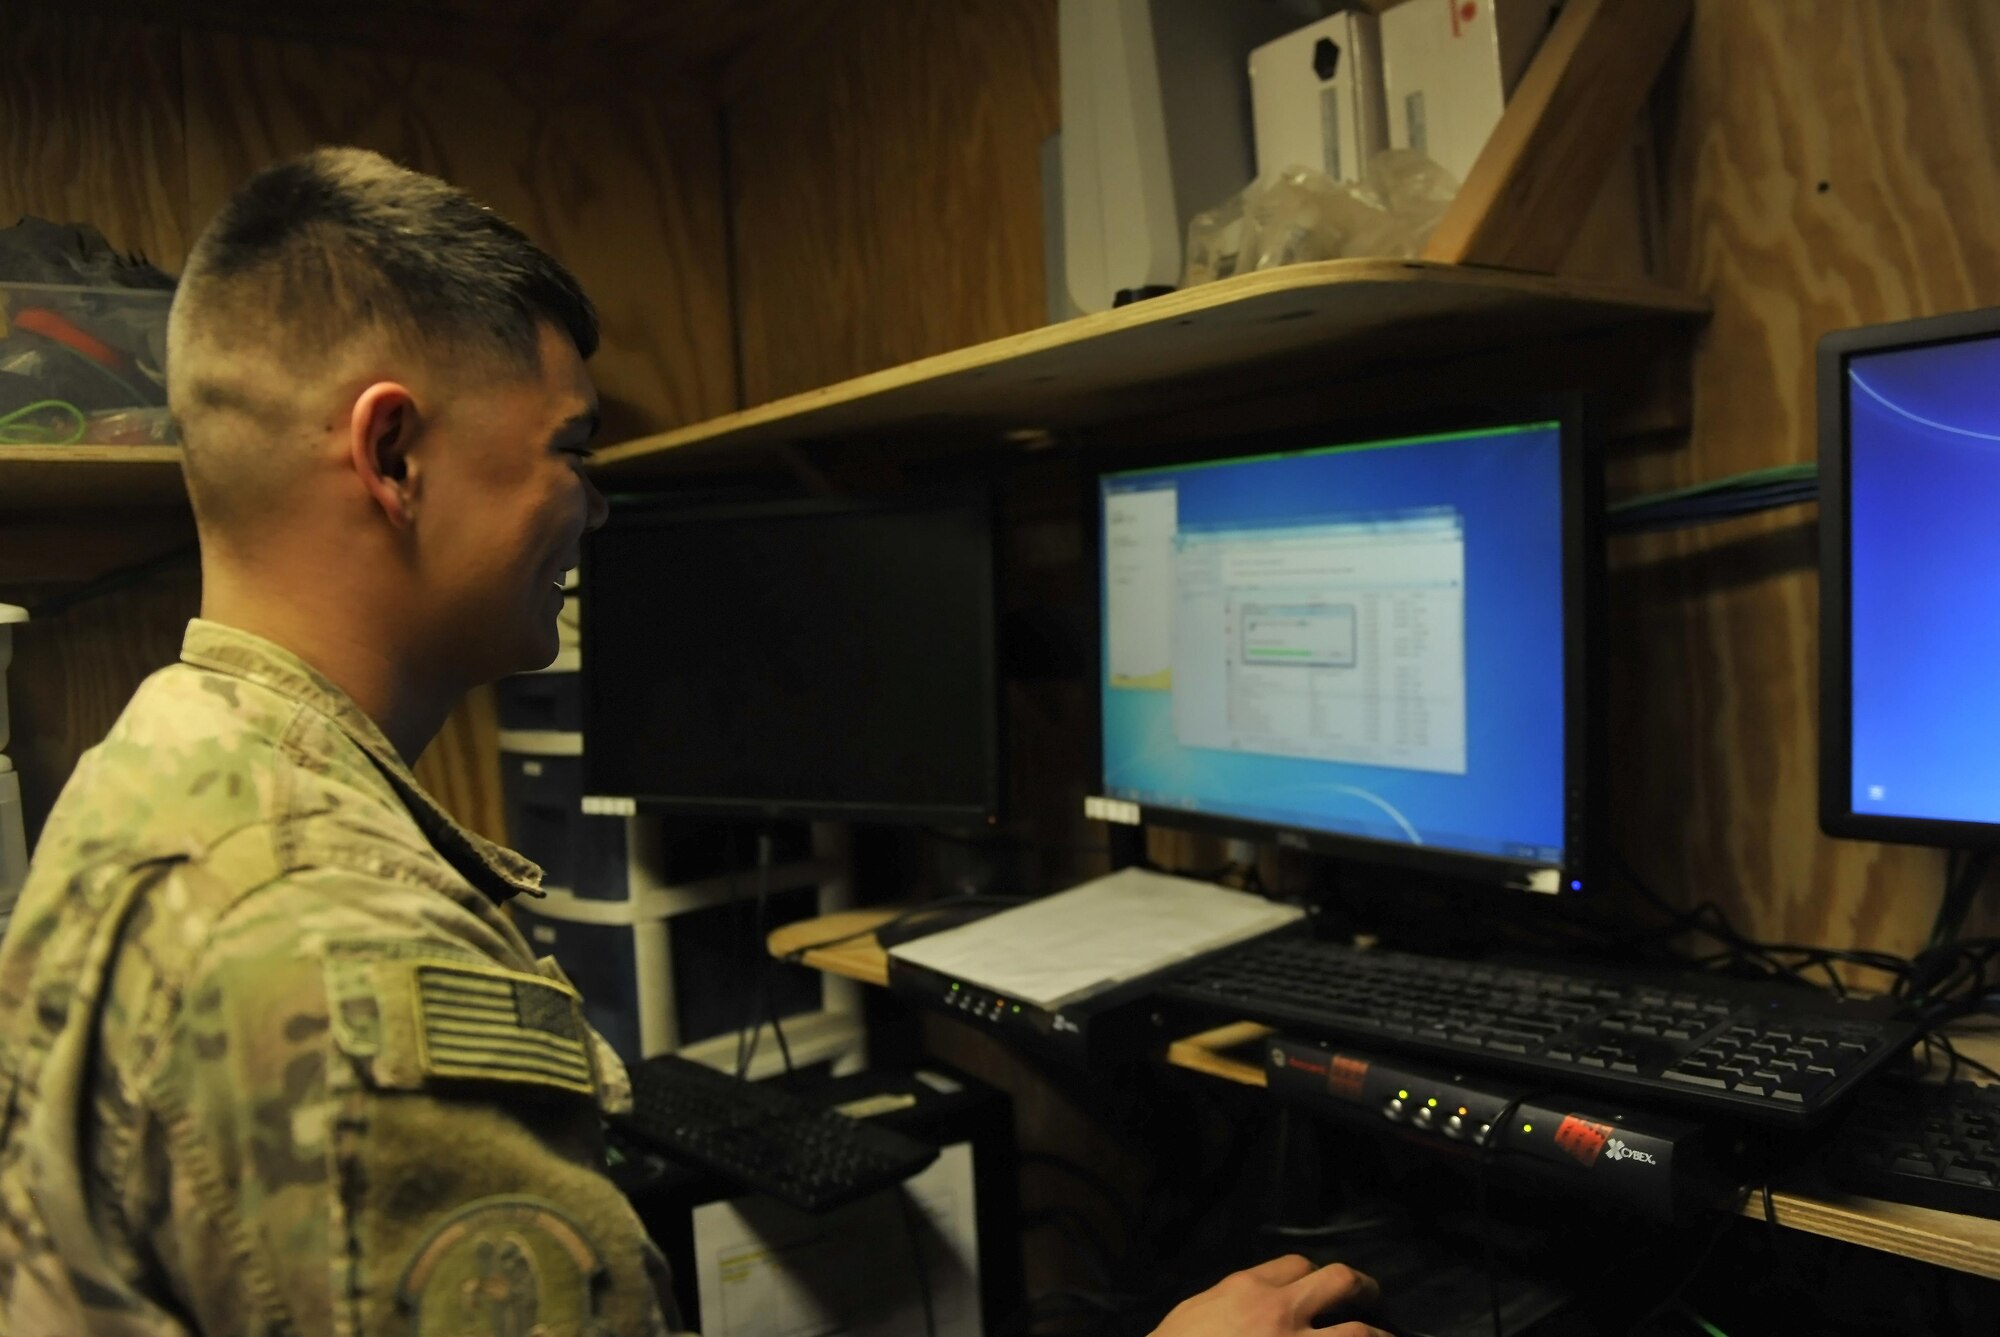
{"x": 542, "y": 653}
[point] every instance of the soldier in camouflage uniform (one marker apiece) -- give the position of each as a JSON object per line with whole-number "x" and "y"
{"x": 272, "y": 1058}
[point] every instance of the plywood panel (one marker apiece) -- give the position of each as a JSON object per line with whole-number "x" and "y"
{"x": 90, "y": 128}
{"x": 663, "y": 36}
{"x": 1830, "y": 163}
{"x": 886, "y": 194}
{"x": 144, "y": 129}
{"x": 1563, "y": 127}
{"x": 461, "y": 767}
{"x": 1246, "y": 336}
{"x": 73, "y": 674}
{"x": 621, "y": 187}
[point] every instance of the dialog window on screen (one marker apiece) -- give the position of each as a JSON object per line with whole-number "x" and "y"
{"x": 1340, "y": 641}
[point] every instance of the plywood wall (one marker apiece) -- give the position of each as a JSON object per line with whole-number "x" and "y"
{"x": 1821, "y": 163}
{"x": 143, "y": 129}
{"x": 1829, "y": 163}
{"x": 885, "y": 192}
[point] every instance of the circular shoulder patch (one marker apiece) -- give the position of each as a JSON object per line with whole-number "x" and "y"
{"x": 503, "y": 1267}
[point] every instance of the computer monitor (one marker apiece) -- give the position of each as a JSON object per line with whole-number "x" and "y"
{"x": 1909, "y": 463}
{"x": 816, "y": 659}
{"x": 1374, "y": 642}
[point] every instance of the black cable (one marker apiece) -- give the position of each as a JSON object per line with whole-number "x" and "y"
{"x": 917, "y": 1257}
{"x": 761, "y": 1004}
{"x": 1951, "y": 1050}
{"x": 110, "y": 583}
{"x": 1765, "y": 956}
{"x": 753, "y": 950}
{"x": 1082, "y": 1236}
{"x": 1330, "y": 1231}
{"x": 1961, "y": 887}
{"x": 1701, "y": 1259}
{"x": 1487, "y": 1151}
{"x": 1117, "y": 1201}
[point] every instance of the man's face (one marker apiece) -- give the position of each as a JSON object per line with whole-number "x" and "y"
{"x": 504, "y": 511}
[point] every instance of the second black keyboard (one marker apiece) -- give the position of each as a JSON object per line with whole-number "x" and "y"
{"x": 1927, "y": 1143}
{"x": 765, "y": 1139}
{"x": 1770, "y": 1052}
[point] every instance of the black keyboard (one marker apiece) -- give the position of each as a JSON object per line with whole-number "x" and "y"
{"x": 1927, "y": 1143}
{"x": 765, "y": 1139}
{"x": 1763, "y": 1051}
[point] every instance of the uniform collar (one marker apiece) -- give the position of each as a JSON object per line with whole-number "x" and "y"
{"x": 499, "y": 872}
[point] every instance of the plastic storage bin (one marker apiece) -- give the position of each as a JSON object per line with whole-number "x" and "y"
{"x": 545, "y": 821}
{"x": 670, "y": 982}
{"x": 541, "y": 702}
{"x": 83, "y": 365}
{"x": 599, "y": 858}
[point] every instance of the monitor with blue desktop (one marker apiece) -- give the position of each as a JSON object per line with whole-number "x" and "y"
{"x": 1369, "y": 642}
{"x": 1910, "y": 581}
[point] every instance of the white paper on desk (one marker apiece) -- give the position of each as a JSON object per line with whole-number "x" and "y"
{"x": 763, "y": 1269}
{"x": 1057, "y": 950}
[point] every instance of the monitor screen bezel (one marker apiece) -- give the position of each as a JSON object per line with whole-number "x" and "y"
{"x": 1837, "y": 816}
{"x": 656, "y": 510}
{"x": 1583, "y": 623}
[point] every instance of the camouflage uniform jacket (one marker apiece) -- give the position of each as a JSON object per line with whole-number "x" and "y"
{"x": 272, "y": 1060}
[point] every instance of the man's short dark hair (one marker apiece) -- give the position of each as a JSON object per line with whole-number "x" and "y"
{"x": 342, "y": 238}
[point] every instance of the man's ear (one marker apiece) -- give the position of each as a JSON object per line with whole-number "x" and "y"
{"x": 381, "y": 440}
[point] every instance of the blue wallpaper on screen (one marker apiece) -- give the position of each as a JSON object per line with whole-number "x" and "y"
{"x": 1506, "y": 486}
{"x": 1924, "y": 563}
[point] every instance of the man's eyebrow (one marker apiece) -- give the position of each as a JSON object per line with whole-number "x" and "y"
{"x": 576, "y": 429}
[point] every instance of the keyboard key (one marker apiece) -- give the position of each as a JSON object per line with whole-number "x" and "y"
{"x": 1708, "y": 1079}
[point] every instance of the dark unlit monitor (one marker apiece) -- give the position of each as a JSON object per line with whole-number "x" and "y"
{"x": 831, "y": 659}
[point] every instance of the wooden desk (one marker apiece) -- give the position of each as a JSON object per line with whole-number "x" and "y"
{"x": 1967, "y": 1243}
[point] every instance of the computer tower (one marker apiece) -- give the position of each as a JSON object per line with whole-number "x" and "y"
{"x": 684, "y": 969}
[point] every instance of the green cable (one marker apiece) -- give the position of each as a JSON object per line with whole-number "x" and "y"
{"x": 1703, "y": 1323}
{"x": 15, "y": 432}
{"x": 1781, "y": 473}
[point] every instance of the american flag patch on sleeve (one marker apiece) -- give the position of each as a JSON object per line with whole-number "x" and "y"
{"x": 501, "y": 1025}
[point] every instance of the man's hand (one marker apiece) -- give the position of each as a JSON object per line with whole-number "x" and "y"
{"x": 1280, "y": 1298}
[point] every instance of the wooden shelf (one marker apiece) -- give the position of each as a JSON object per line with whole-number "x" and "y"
{"x": 1966, "y": 1243}
{"x": 1281, "y": 327}
{"x": 1275, "y": 328}
{"x": 43, "y": 478}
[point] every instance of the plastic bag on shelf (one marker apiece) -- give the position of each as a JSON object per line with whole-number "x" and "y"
{"x": 1300, "y": 214}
